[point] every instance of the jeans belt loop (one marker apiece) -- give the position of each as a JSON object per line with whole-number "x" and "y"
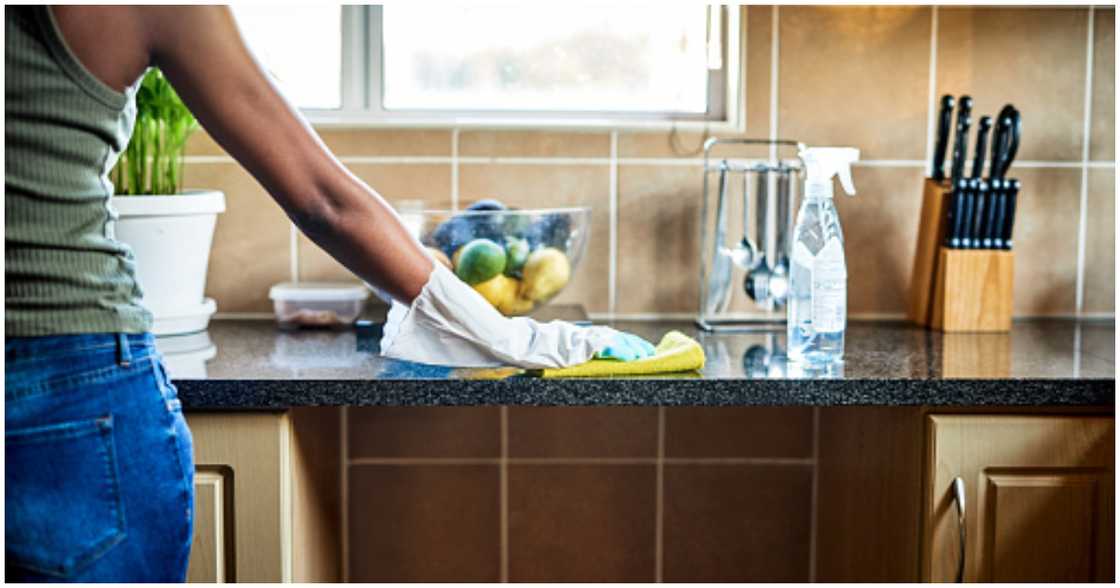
{"x": 124, "y": 355}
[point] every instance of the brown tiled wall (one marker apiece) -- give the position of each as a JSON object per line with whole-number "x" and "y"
{"x": 571, "y": 494}
{"x": 845, "y": 75}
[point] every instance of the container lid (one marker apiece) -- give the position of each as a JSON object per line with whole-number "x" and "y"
{"x": 318, "y": 291}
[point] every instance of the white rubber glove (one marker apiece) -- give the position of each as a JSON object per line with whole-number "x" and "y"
{"x": 451, "y": 324}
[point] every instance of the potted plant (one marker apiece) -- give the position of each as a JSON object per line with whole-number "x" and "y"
{"x": 169, "y": 230}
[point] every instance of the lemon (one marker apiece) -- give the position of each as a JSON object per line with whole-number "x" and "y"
{"x": 545, "y": 273}
{"x": 479, "y": 261}
{"x": 499, "y": 290}
{"x": 516, "y": 306}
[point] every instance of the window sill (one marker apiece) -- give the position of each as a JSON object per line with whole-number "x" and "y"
{"x": 357, "y": 120}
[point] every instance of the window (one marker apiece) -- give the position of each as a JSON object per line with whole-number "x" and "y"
{"x": 501, "y": 63}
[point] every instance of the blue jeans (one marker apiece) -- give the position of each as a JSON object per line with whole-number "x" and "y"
{"x": 99, "y": 471}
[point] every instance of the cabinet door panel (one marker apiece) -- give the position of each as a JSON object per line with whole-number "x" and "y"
{"x": 1039, "y": 498}
{"x": 211, "y": 558}
{"x": 1042, "y": 526}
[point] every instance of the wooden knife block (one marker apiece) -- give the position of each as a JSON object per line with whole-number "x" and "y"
{"x": 957, "y": 290}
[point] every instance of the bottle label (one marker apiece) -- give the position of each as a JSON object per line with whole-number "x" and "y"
{"x": 830, "y": 290}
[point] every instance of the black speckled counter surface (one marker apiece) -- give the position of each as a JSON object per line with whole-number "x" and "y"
{"x": 250, "y": 365}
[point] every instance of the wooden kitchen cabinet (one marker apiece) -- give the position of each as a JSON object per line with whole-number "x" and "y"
{"x": 266, "y": 497}
{"x": 1039, "y": 494}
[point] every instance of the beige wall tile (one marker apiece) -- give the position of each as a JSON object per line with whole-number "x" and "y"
{"x": 550, "y": 186}
{"x": 1031, "y": 57}
{"x": 534, "y": 144}
{"x": 429, "y": 183}
{"x": 250, "y": 251}
{"x": 357, "y": 142}
{"x": 658, "y": 238}
{"x": 659, "y": 144}
{"x": 1102, "y": 139}
{"x": 1045, "y": 241}
{"x": 856, "y": 76}
{"x": 880, "y": 233}
{"x": 1100, "y": 243}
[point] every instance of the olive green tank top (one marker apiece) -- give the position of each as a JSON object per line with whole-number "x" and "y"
{"x": 64, "y": 131}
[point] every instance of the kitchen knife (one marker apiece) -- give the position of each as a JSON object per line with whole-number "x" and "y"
{"x": 944, "y": 119}
{"x": 1009, "y": 218}
{"x": 960, "y": 141}
{"x": 977, "y": 205}
{"x": 1005, "y": 143}
{"x": 967, "y": 205}
{"x": 1013, "y": 146}
{"x": 999, "y": 213}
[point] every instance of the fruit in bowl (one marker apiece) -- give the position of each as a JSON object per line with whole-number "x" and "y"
{"x": 517, "y": 260}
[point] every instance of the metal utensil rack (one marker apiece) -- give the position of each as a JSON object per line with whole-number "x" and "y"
{"x": 766, "y": 275}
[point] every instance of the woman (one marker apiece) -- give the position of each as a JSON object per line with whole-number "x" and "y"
{"x": 98, "y": 456}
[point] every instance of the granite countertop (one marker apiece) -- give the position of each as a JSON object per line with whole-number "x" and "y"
{"x": 250, "y": 365}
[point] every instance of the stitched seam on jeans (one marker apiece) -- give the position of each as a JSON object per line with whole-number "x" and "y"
{"x": 82, "y": 378}
{"x": 54, "y": 432}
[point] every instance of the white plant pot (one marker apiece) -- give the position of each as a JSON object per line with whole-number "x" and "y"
{"x": 170, "y": 237}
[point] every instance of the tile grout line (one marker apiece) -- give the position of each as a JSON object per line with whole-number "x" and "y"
{"x": 503, "y": 495}
{"x": 1083, "y": 215}
{"x": 455, "y": 168}
{"x": 293, "y": 252}
{"x": 545, "y": 461}
{"x": 775, "y": 43}
{"x": 814, "y": 494}
{"x": 612, "y": 259}
{"x": 931, "y": 106}
{"x": 457, "y": 162}
{"x": 344, "y": 491}
{"x": 659, "y": 515}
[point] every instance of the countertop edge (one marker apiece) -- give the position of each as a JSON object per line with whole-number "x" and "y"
{"x": 267, "y": 395}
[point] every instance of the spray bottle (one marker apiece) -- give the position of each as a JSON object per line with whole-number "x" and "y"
{"x": 818, "y": 283}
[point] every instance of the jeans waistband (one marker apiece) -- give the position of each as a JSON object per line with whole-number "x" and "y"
{"x": 127, "y": 347}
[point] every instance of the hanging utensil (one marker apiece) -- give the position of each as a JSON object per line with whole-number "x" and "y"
{"x": 720, "y": 278}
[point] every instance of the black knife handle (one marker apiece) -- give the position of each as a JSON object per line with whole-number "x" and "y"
{"x": 968, "y": 206}
{"x": 991, "y": 220}
{"x": 956, "y": 216}
{"x": 1009, "y": 218}
{"x": 981, "y": 146}
{"x": 944, "y": 120}
{"x": 1002, "y": 149}
{"x": 960, "y": 140}
{"x": 980, "y": 213}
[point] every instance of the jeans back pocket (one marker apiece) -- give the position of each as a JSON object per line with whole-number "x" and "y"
{"x": 63, "y": 507}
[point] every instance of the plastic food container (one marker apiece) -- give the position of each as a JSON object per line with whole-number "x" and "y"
{"x": 317, "y": 304}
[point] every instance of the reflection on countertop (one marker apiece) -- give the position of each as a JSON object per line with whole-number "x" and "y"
{"x": 243, "y": 363}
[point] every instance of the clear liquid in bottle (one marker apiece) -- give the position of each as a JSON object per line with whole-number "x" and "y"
{"x": 818, "y": 297}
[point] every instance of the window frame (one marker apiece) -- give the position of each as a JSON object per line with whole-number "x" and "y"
{"x": 361, "y": 81}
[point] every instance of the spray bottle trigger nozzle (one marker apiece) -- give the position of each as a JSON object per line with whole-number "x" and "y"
{"x": 845, "y": 176}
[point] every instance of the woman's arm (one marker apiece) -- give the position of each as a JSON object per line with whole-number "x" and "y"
{"x": 200, "y": 49}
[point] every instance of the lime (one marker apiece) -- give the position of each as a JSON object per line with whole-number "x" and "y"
{"x": 517, "y": 251}
{"x": 479, "y": 261}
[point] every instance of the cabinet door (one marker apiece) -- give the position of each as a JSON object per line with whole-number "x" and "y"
{"x": 1038, "y": 494}
{"x": 212, "y": 551}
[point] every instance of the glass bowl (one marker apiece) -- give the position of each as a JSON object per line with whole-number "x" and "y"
{"x": 518, "y": 260}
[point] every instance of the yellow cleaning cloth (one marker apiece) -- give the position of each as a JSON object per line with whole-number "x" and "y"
{"x": 676, "y": 352}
